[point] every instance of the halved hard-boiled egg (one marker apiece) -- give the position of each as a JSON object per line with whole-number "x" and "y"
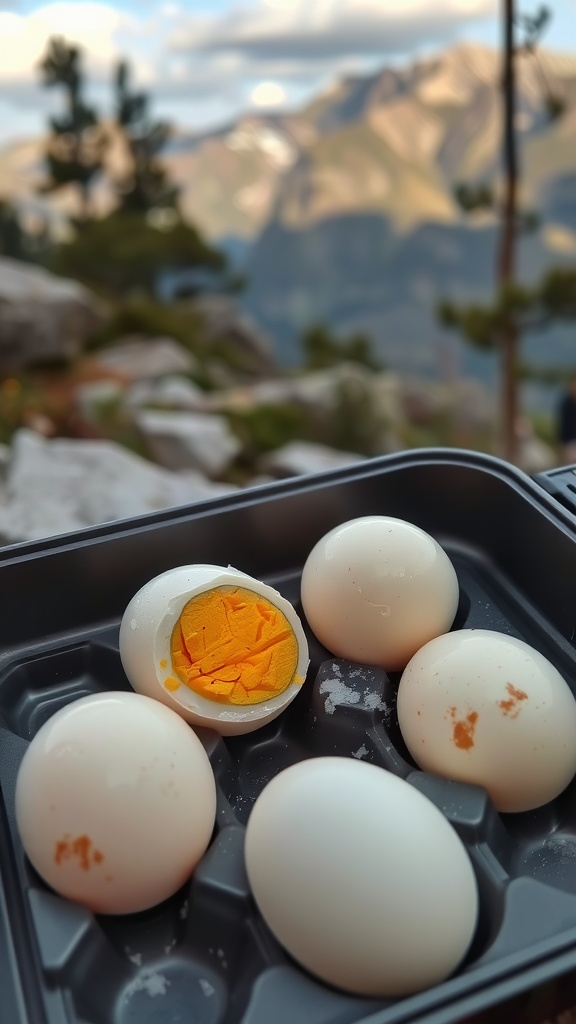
{"x": 224, "y": 650}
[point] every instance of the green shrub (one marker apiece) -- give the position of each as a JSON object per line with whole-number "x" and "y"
{"x": 124, "y": 253}
{"x": 268, "y": 427}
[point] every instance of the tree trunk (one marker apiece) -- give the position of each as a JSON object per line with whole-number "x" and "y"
{"x": 507, "y": 249}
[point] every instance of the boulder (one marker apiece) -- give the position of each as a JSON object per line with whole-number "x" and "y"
{"x": 185, "y": 440}
{"x": 175, "y": 392}
{"x": 43, "y": 318}
{"x": 137, "y": 358}
{"x": 466, "y": 401}
{"x": 302, "y": 457}
{"x": 224, "y": 324}
{"x": 61, "y": 485}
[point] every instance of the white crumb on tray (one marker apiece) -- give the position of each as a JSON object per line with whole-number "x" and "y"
{"x": 207, "y": 988}
{"x": 338, "y": 694}
{"x": 151, "y": 982}
{"x": 361, "y": 673}
{"x": 361, "y": 752}
{"x": 373, "y": 701}
{"x": 564, "y": 848}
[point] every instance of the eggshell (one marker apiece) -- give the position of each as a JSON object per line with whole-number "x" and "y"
{"x": 145, "y": 634}
{"x": 482, "y": 707}
{"x": 360, "y": 877}
{"x": 115, "y": 802}
{"x": 376, "y": 589}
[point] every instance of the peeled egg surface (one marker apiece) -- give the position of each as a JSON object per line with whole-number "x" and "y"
{"x": 360, "y": 877}
{"x": 376, "y": 589}
{"x": 483, "y": 707}
{"x": 222, "y": 649}
{"x": 115, "y": 802}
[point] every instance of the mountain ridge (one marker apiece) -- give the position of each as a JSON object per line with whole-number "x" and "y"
{"x": 438, "y": 114}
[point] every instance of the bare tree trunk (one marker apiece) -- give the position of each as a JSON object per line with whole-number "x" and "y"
{"x": 507, "y": 249}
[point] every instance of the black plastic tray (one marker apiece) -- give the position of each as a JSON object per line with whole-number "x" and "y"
{"x": 205, "y": 956}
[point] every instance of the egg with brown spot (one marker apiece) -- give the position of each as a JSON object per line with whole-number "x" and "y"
{"x": 491, "y": 711}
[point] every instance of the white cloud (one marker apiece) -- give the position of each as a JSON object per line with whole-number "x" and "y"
{"x": 317, "y": 29}
{"x": 23, "y": 38}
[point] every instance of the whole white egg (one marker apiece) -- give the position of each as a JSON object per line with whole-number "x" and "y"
{"x": 152, "y": 620}
{"x": 376, "y": 589}
{"x": 482, "y": 707}
{"x": 115, "y": 802}
{"x": 360, "y": 877}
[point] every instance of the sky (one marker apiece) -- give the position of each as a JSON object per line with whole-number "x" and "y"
{"x": 206, "y": 61}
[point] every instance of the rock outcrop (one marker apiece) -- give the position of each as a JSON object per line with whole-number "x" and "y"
{"x": 188, "y": 440}
{"x": 43, "y": 318}
{"x": 140, "y": 358}
{"x": 62, "y": 485}
{"x": 301, "y": 457}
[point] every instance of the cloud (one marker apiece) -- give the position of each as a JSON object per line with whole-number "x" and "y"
{"x": 304, "y": 30}
{"x": 23, "y": 38}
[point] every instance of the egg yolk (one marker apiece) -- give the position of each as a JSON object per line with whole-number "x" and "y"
{"x": 233, "y": 646}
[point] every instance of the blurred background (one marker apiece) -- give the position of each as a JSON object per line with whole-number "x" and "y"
{"x": 245, "y": 240}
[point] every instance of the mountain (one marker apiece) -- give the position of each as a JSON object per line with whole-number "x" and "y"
{"x": 228, "y": 178}
{"x": 365, "y": 234}
{"x": 343, "y": 211}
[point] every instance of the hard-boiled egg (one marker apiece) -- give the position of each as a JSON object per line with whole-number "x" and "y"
{"x": 376, "y": 589}
{"x": 115, "y": 802}
{"x": 222, "y": 649}
{"x": 360, "y": 877}
{"x": 486, "y": 708}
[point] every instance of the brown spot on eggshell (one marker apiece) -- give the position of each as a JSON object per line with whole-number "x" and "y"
{"x": 79, "y": 849}
{"x": 463, "y": 728}
{"x": 512, "y": 705}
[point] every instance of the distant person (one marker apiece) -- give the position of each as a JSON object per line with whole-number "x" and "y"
{"x": 567, "y": 423}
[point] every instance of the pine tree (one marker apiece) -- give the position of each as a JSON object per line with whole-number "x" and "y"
{"x": 145, "y": 187}
{"x": 77, "y": 143}
{"x": 515, "y": 309}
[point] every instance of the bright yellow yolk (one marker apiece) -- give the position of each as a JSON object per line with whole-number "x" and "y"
{"x": 233, "y": 646}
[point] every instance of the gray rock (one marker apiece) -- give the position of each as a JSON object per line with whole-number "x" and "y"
{"x": 317, "y": 390}
{"x": 173, "y": 392}
{"x": 223, "y": 322}
{"x": 42, "y": 317}
{"x": 137, "y": 358}
{"x": 185, "y": 440}
{"x": 59, "y": 486}
{"x": 302, "y": 457}
{"x": 467, "y": 402}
